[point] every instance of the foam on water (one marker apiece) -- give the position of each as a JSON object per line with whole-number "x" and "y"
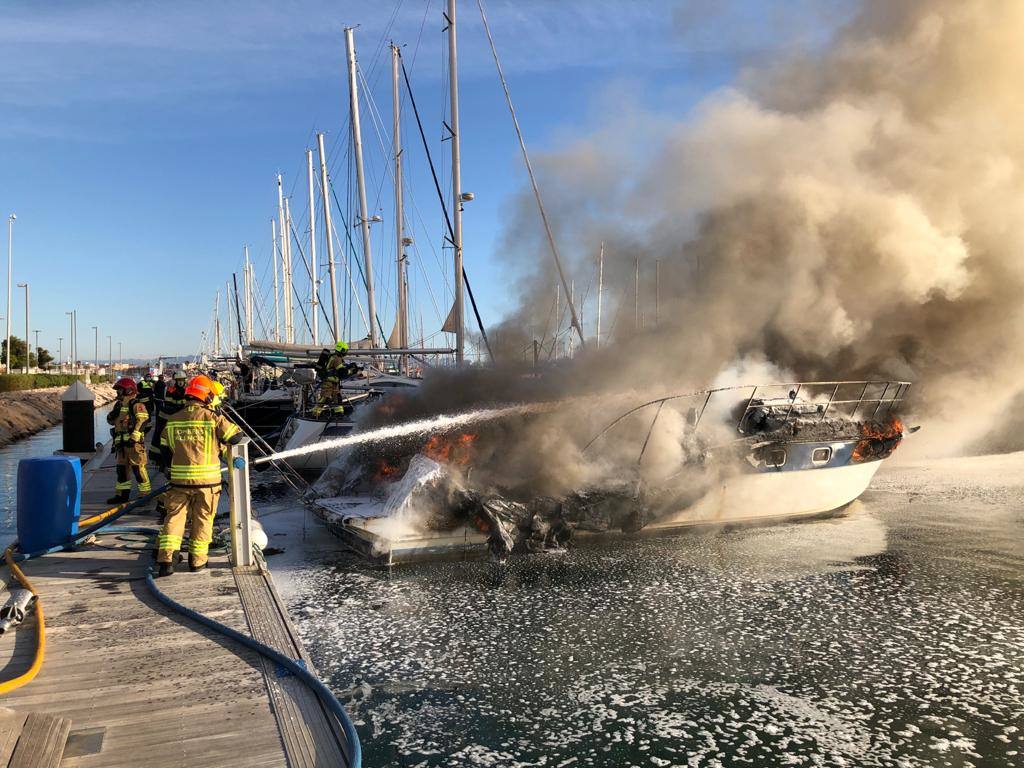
{"x": 888, "y": 636}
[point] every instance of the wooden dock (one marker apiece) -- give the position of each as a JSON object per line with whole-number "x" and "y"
{"x": 128, "y": 682}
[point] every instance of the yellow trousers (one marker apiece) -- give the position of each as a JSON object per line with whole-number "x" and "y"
{"x": 197, "y": 506}
{"x": 132, "y": 455}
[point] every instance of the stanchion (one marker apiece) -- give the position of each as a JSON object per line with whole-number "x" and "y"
{"x": 241, "y": 504}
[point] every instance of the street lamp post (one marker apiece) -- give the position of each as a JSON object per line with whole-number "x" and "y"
{"x": 10, "y": 255}
{"x": 110, "y": 357}
{"x": 96, "y": 350}
{"x": 71, "y": 339}
{"x": 120, "y": 355}
{"x": 60, "y": 353}
{"x": 25, "y": 286}
{"x": 36, "y": 332}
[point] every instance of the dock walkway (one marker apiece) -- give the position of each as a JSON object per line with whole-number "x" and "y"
{"x": 128, "y": 682}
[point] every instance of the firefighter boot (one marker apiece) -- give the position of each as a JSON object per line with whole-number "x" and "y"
{"x": 119, "y": 498}
{"x": 193, "y": 567}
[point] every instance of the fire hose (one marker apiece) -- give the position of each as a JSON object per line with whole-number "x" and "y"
{"x": 104, "y": 519}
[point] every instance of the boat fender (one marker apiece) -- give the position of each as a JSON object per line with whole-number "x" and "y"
{"x": 257, "y": 535}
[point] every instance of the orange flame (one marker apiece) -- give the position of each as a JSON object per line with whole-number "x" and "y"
{"x": 878, "y": 440}
{"x": 456, "y": 451}
{"x": 385, "y": 471}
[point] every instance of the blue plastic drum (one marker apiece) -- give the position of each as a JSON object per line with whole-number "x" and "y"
{"x": 49, "y": 501}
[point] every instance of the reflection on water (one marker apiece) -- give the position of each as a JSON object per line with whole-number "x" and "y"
{"x": 40, "y": 444}
{"x": 844, "y": 641}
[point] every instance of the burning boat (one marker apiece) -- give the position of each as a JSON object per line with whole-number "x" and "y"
{"x": 748, "y": 454}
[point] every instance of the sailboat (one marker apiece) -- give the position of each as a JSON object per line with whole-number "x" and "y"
{"x": 312, "y": 424}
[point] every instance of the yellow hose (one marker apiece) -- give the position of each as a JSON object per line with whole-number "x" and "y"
{"x": 101, "y": 516}
{"x": 37, "y": 662}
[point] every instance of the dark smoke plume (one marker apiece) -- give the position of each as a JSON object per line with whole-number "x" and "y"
{"x": 853, "y": 213}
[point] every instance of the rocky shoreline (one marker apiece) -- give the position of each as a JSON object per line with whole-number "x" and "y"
{"x": 27, "y": 412}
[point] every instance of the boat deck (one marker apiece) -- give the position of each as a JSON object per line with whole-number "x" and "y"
{"x": 128, "y": 682}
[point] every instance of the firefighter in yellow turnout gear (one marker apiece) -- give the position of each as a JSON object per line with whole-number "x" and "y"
{"x": 130, "y": 420}
{"x": 191, "y": 443}
{"x": 333, "y": 370}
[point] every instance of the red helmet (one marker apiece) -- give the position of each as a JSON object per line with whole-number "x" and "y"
{"x": 200, "y": 388}
{"x": 127, "y": 386}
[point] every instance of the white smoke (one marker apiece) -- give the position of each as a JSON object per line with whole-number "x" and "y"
{"x": 853, "y": 213}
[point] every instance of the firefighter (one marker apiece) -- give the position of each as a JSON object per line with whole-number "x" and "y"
{"x": 145, "y": 389}
{"x": 130, "y": 420}
{"x": 191, "y": 443}
{"x": 173, "y": 401}
{"x": 333, "y": 369}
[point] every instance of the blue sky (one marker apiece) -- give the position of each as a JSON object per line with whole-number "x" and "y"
{"x": 140, "y": 141}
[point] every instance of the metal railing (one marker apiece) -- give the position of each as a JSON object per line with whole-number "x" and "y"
{"x": 883, "y": 402}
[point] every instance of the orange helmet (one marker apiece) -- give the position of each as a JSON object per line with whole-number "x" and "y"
{"x": 200, "y": 388}
{"x": 127, "y": 386}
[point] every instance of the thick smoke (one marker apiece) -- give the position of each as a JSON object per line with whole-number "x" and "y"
{"x": 856, "y": 213}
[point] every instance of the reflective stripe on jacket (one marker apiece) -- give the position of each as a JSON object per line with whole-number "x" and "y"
{"x": 174, "y": 401}
{"x": 127, "y": 417}
{"x": 192, "y": 441}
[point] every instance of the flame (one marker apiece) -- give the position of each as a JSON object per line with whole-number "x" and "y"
{"x": 456, "y": 451}
{"x": 385, "y": 471}
{"x": 878, "y": 440}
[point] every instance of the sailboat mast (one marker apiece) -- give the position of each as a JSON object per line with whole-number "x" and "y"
{"x": 396, "y": 131}
{"x": 600, "y": 291}
{"x": 357, "y": 141}
{"x": 277, "y": 303}
{"x": 314, "y": 268}
{"x": 216, "y": 324}
{"x": 328, "y": 230}
{"x": 636, "y": 293}
{"x": 453, "y": 78}
{"x": 247, "y": 286}
{"x": 282, "y": 235}
{"x": 572, "y": 299}
{"x": 657, "y": 291}
{"x": 289, "y": 318}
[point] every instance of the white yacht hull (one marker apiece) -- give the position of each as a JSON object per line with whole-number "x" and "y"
{"x": 776, "y": 495}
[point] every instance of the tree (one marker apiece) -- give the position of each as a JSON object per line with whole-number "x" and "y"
{"x": 44, "y": 357}
{"x": 17, "y": 353}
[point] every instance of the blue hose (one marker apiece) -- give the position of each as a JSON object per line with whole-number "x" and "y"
{"x": 322, "y": 691}
{"x": 312, "y": 681}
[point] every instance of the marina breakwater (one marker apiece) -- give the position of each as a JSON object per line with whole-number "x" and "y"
{"x": 26, "y": 412}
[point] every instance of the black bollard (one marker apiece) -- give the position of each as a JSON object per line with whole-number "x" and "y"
{"x": 78, "y": 404}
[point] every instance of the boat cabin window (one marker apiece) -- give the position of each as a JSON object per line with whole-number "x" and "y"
{"x": 776, "y": 457}
{"x": 821, "y": 456}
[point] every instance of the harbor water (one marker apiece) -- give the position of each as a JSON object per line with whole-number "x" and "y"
{"x": 889, "y": 635}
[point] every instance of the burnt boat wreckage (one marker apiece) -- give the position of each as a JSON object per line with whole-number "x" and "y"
{"x": 749, "y": 454}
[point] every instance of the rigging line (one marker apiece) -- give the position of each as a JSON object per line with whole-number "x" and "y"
{"x": 259, "y": 310}
{"x": 323, "y": 311}
{"x": 348, "y": 235}
{"x": 529, "y": 170}
{"x": 444, "y": 208}
{"x": 348, "y": 270}
{"x": 419, "y": 37}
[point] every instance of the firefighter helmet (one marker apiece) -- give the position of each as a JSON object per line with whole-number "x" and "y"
{"x": 127, "y": 386}
{"x": 341, "y": 346}
{"x": 218, "y": 393}
{"x": 200, "y": 388}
